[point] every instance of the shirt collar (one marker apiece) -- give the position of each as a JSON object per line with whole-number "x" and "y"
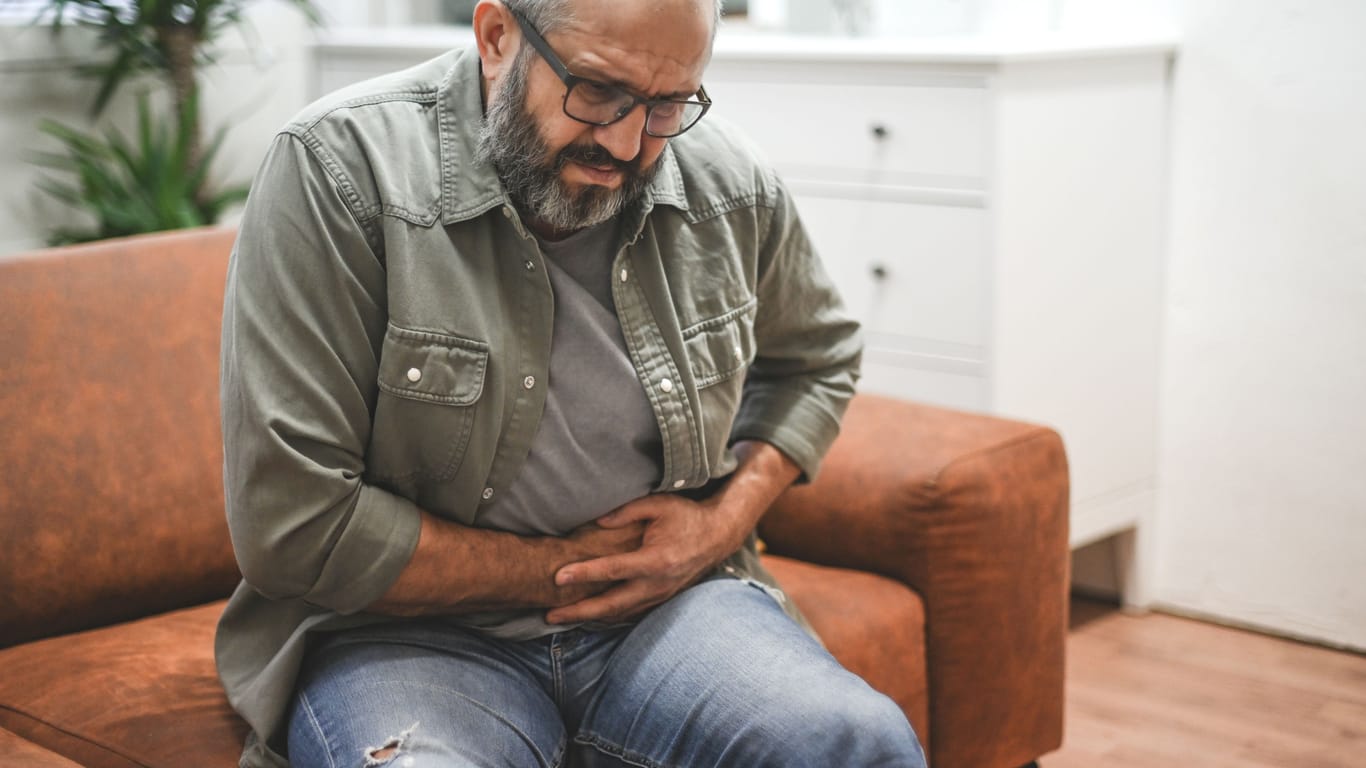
{"x": 470, "y": 187}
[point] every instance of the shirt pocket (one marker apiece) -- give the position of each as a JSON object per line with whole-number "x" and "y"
{"x": 429, "y": 388}
{"x": 721, "y": 347}
{"x": 720, "y": 351}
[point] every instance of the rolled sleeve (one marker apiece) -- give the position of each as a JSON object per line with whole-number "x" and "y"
{"x": 303, "y": 321}
{"x": 809, "y": 348}
{"x": 370, "y": 553}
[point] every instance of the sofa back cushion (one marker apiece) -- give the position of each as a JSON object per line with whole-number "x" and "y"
{"x": 111, "y": 490}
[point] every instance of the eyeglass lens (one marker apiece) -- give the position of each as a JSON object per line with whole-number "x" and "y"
{"x": 600, "y": 103}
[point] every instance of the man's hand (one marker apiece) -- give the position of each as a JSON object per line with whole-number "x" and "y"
{"x": 590, "y": 541}
{"x": 683, "y": 540}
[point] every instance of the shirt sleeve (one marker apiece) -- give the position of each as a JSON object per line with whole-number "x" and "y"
{"x": 303, "y": 320}
{"x": 809, "y": 347}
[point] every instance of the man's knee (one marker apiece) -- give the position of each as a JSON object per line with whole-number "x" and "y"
{"x": 863, "y": 728}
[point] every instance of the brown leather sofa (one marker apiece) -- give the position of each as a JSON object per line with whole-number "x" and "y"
{"x": 931, "y": 553}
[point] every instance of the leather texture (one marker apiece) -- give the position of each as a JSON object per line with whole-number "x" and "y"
{"x": 930, "y": 553}
{"x": 971, "y": 512}
{"x": 19, "y": 751}
{"x": 128, "y": 696}
{"x": 112, "y": 455}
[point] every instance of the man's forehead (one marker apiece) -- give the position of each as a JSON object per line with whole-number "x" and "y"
{"x": 655, "y": 46}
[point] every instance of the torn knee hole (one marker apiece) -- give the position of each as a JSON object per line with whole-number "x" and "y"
{"x": 376, "y": 756}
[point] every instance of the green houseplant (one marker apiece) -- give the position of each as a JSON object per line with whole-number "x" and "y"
{"x": 160, "y": 179}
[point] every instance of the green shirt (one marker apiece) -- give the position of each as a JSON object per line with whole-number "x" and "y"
{"x": 386, "y": 339}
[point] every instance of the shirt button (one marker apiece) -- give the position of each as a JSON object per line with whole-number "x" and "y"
{"x": 666, "y": 386}
{"x": 739, "y": 354}
{"x": 487, "y": 494}
{"x": 507, "y": 211}
{"x": 531, "y": 266}
{"x": 414, "y": 375}
{"x": 680, "y": 483}
{"x": 623, "y": 274}
{"x": 529, "y": 382}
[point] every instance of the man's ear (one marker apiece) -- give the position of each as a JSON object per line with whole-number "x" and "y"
{"x": 497, "y": 36}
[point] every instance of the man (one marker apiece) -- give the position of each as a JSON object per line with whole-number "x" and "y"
{"x": 516, "y": 351}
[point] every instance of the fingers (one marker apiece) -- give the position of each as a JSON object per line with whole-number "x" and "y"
{"x": 634, "y": 512}
{"x": 621, "y": 602}
{"x": 630, "y": 565}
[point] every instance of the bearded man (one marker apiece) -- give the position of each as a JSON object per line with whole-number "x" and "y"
{"x": 517, "y": 349}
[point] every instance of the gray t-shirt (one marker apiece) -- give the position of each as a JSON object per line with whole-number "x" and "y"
{"x": 598, "y": 444}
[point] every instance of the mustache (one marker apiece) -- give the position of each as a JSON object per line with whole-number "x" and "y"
{"x": 595, "y": 155}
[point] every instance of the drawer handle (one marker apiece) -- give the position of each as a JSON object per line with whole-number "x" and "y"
{"x": 880, "y": 131}
{"x": 879, "y": 272}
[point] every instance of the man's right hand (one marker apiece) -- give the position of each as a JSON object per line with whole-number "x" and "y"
{"x": 457, "y": 569}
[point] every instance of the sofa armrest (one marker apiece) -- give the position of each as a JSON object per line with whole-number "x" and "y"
{"x": 970, "y": 511}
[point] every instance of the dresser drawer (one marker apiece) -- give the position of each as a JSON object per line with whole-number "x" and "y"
{"x": 880, "y": 132}
{"x": 906, "y": 270}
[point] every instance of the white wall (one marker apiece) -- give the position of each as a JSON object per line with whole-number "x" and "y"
{"x": 259, "y": 82}
{"x": 1262, "y": 469}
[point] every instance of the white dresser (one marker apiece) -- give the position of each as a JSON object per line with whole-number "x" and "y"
{"x": 993, "y": 213}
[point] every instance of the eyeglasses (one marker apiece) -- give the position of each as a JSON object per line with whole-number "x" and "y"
{"x": 598, "y": 103}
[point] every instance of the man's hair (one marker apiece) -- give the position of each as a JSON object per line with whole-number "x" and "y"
{"x": 546, "y": 15}
{"x": 549, "y": 15}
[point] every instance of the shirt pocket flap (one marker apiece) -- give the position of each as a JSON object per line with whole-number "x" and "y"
{"x": 432, "y": 367}
{"x": 722, "y": 346}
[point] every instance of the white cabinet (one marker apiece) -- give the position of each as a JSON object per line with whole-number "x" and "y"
{"x": 993, "y": 214}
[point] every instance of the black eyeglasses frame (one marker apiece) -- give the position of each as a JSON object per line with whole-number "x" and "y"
{"x": 570, "y": 80}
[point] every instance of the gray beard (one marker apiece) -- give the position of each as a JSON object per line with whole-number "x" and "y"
{"x": 510, "y": 140}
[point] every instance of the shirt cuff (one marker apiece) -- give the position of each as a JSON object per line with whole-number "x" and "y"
{"x": 376, "y": 546}
{"x": 790, "y": 422}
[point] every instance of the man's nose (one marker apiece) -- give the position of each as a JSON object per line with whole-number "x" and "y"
{"x": 623, "y": 137}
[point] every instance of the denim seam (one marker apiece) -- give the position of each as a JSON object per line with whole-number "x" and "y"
{"x": 612, "y": 749}
{"x": 322, "y": 735}
{"x": 556, "y": 673}
{"x": 561, "y": 750}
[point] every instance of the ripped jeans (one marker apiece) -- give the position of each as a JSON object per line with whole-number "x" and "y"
{"x": 717, "y": 676}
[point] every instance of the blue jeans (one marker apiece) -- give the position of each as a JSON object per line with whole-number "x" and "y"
{"x": 717, "y": 676}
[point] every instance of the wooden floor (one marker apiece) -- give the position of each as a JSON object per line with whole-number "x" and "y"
{"x": 1157, "y": 690}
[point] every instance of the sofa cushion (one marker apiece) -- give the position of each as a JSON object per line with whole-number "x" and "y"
{"x": 131, "y": 695}
{"x": 19, "y": 751}
{"x": 145, "y": 694}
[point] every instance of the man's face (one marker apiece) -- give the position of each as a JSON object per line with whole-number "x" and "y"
{"x": 565, "y": 174}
